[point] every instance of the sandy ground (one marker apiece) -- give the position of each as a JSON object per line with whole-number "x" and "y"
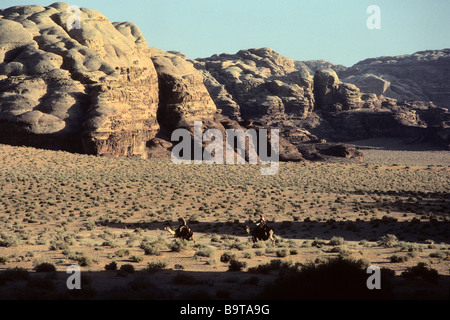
{"x": 66, "y": 209}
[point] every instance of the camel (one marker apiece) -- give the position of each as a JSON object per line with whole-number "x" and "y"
{"x": 183, "y": 231}
{"x": 262, "y": 232}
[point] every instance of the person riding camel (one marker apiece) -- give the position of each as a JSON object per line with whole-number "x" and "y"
{"x": 262, "y": 224}
{"x": 261, "y": 221}
{"x": 184, "y": 226}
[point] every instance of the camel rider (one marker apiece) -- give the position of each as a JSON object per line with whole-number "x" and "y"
{"x": 261, "y": 222}
{"x": 184, "y": 226}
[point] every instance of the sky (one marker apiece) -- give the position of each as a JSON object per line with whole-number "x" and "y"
{"x": 332, "y": 30}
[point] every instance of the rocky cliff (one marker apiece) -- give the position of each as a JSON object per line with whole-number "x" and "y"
{"x": 422, "y": 76}
{"x": 92, "y": 90}
{"x": 100, "y": 89}
{"x": 308, "y": 101}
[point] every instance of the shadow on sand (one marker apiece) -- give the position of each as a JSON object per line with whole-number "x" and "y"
{"x": 340, "y": 281}
{"x": 415, "y": 230}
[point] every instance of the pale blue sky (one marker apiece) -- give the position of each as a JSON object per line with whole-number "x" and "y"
{"x": 299, "y": 29}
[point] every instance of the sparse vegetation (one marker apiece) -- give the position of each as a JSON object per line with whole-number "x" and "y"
{"x": 236, "y": 265}
{"x": 153, "y": 267}
{"x": 423, "y": 271}
{"x": 45, "y": 267}
{"x": 105, "y": 213}
{"x": 388, "y": 241}
{"x": 334, "y": 279}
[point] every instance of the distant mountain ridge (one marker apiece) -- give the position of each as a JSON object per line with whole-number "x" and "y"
{"x": 423, "y": 75}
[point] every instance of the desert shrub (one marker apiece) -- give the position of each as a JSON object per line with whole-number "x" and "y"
{"x": 273, "y": 265}
{"x": 236, "y": 265}
{"x": 410, "y": 247}
{"x": 306, "y": 244}
{"x": 343, "y": 251}
{"x": 421, "y": 270}
{"x": 58, "y": 245}
{"x": 396, "y": 258}
{"x": 110, "y": 243}
{"x": 178, "y": 245}
{"x": 152, "y": 248}
{"x": 269, "y": 250}
{"x": 9, "y": 241}
{"x": 45, "y": 267}
{"x": 135, "y": 258}
{"x": 439, "y": 254}
{"x": 364, "y": 243}
{"x": 127, "y": 268}
{"x": 227, "y": 256}
{"x": 111, "y": 266}
{"x": 153, "y": 267}
{"x": 388, "y": 219}
{"x": 4, "y": 260}
{"x": 335, "y": 279}
{"x": 388, "y": 241}
{"x": 259, "y": 253}
{"x": 336, "y": 241}
{"x": 258, "y": 245}
{"x": 14, "y": 274}
{"x": 318, "y": 243}
{"x": 281, "y": 253}
{"x": 204, "y": 252}
{"x": 82, "y": 259}
{"x": 238, "y": 245}
{"x": 122, "y": 253}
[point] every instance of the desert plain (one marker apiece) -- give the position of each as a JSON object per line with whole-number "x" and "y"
{"x": 108, "y": 215}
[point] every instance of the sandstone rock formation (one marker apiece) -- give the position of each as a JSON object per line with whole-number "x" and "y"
{"x": 422, "y": 76}
{"x": 261, "y": 87}
{"x": 91, "y": 90}
{"x": 100, "y": 89}
{"x": 334, "y": 96}
{"x": 261, "y": 82}
{"x": 182, "y": 93}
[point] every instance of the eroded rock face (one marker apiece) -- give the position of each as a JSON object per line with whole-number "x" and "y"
{"x": 91, "y": 90}
{"x": 424, "y": 76}
{"x": 258, "y": 83}
{"x": 100, "y": 89}
{"x": 332, "y": 95}
{"x": 262, "y": 88}
{"x": 183, "y": 95}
